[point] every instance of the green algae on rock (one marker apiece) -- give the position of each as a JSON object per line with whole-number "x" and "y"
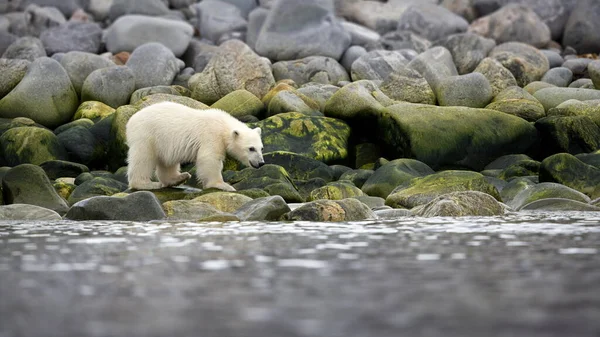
{"x": 30, "y": 145}
{"x": 336, "y": 190}
{"x": 93, "y": 110}
{"x": 544, "y": 191}
{"x": 349, "y": 209}
{"x": 391, "y": 174}
{"x": 462, "y": 203}
{"x": 240, "y": 103}
{"x": 566, "y": 169}
{"x": 300, "y": 167}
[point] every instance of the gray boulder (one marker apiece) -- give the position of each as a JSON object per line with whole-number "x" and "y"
{"x": 121, "y": 8}
{"x": 263, "y": 209}
{"x": 72, "y": 36}
{"x": 408, "y": 85}
{"x": 499, "y": 77}
{"x": 79, "y": 65}
{"x": 28, "y": 212}
{"x": 552, "y": 97}
{"x": 12, "y": 72}
{"x": 594, "y": 73}
{"x": 559, "y": 76}
{"x": 28, "y": 184}
{"x": 35, "y": 19}
{"x": 431, "y": 21}
{"x": 287, "y": 35}
{"x": 377, "y": 65}
{"x": 470, "y": 90}
{"x": 392, "y": 174}
{"x": 582, "y": 27}
{"x": 434, "y": 65}
{"x": 26, "y": 48}
{"x": 153, "y": 64}
{"x": 66, "y": 7}
{"x": 131, "y": 31}
{"x": 462, "y": 203}
{"x": 112, "y": 86}
{"x": 467, "y": 49}
{"x": 360, "y": 35}
{"x": 318, "y": 69}
{"x": 6, "y": 39}
{"x": 525, "y": 62}
{"x": 256, "y": 20}
{"x": 45, "y": 94}
{"x": 216, "y": 18}
{"x": 138, "y": 206}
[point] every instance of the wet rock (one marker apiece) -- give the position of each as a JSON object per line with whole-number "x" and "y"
{"x": 120, "y": 8}
{"x": 240, "y": 103}
{"x": 131, "y": 31}
{"x": 12, "y": 72}
{"x": 284, "y": 37}
{"x": 422, "y": 190}
{"x": 553, "y": 96}
{"x": 271, "y": 178}
{"x": 358, "y": 177}
{"x": 27, "y": 212}
{"x": 396, "y": 172}
{"x": 470, "y": 90}
{"x": 467, "y": 49}
{"x": 357, "y": 101}
{"x": 463, "y": 203}
{"x": 518, "y": 102}
{"x": 566, "y": 169}
{"x": 559, "y": 205}
{"x": 300, "y": 167}
{"x": 72, "y": 36}
{"x": 216, "y": 18}
{"x": 318, "y": 69}
{"x": 60, "y": 168}
{"x": 153, "y": 64}
{"x": 522, "y": 168}
{"x": 440, "y": 136}
{"x": 431, "y": 21}
{"x": 331, "y": 210}
{"x": 392, "y": 213}
{"x": 546, "y": 190}
{"x": 270, "y": 208}
{"x": 227, "y": 202}
{"x": 138, "y": 206}
{"x": 236, "y": 67}
{"x": 377, "y": 65}
{"x": 525, "y": 62}
{"x": 189, "y": 210}
{"x": 28, "y": 184}
{"x": 97, "y": 186}
{"x": 513, "y": 22}
{"x": 559, "y": 76}
{"x": 25, "y": 48}
{"x": 45, "y": 94}
{"x": 572, "y": 134}
{"x": 408, "y": 85}
{"x": 321, "y": 138}
{"x": 31, "y": 145}
{"x": 336, "y": 190}
{"x": 514, "y": 187}
{"x": 582, "y": 27}
{"x": 122, "y": 84}
{"x": 498, "y": 76}
{"x": 79, "y": 65}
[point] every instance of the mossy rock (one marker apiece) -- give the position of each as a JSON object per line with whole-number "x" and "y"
{"x": 366, "y": 153}
{"x": 575, "y": 107}
{"x": 464, "y": 203}
{"x": 271, "y": 178}
{"x": 505, "y": 161}
{"x": 559, "y": 205}
{"x": 520, "y": 169}
{"x": 63, "y": 188}
{"x": 224, "y": 201}
{"x": 391, "y": 174}
{"x": 254, "y": 193}
{"x": 453, "y": 136}
{"x": 175, "y": 90}
{"x": 292, "y": 101}
{"x": 545, "y": 191}
{"x": 300, "y": 167}
{"x": 528, "y": 110}
{"x": 336, "y": 190}
{"x": 11, "y": 123}
{"x": 514, "y": 187}
{"x": 279, "y": 87}
{"x": 566, "y": 169}
{"x": 93, "y": 110}
{"x": 188, "y": 210}
{"x": 97, "y": 186}
{"x": 421, "y": 190}
{"x": 176, "y": 193}
{"x": 358, "y": 177}
{"x": 321, "y": 138}
{"x": 240, "y": 103}
{"x": 571, "y": 134}
{"x": 30, "y": 145}
{"x": 331, "y": 211}
{"x": 357, "y": 101}
{"x": 305, "y": 187}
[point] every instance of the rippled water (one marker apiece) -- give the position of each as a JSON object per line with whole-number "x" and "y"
{"x": 533, "y": 274}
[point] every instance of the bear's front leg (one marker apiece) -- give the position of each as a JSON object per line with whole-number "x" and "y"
{"x": 209, "y": 174}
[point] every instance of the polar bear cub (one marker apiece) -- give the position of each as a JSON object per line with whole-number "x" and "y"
{"x": 166, "y": 134}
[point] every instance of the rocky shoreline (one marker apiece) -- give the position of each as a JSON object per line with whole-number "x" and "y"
{"x": 369, "y": 109}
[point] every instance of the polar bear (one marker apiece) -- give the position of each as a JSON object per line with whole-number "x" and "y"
{"x": 164, "y": 135}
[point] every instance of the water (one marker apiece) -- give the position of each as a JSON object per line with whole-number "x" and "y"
{"x": 529, "y": 274}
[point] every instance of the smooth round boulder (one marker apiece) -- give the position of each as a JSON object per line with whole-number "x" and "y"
{"x": 137, "y": 206}
{"x": 318, "y": 69}
{"x": 153, "y": 64}
{"x": 546, "y": 190}
{"x": 28, "y": 212}
{"x": 467, "y": 49}
{"x": 525, "y": 62}
{"x": 12, "y": 72}
{"x": 269, "y": 208}
{"x": 471, "y": 90}
{"x": 79, "y": 65}
{"x": 392, "y": 174}
{"x": 72, "y": 36}
{"x": 26, "y": 48}
{"x": 112, "y": 86}
{"x": 462, "y": 203}
{"x": 31, "y": 145}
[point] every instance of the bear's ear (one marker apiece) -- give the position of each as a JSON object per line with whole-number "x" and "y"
{"x": 236, "y": 133}
{"x": 258, "y": 130}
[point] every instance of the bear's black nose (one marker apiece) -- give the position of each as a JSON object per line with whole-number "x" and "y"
{"x": 260, "y": 164}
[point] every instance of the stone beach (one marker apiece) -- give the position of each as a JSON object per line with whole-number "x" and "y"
{"x": 369, "y": 109}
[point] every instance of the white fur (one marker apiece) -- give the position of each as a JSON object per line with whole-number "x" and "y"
{"x": 166, "y": 134}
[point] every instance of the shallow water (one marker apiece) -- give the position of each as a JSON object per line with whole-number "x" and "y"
{"x": 529, "y": 274}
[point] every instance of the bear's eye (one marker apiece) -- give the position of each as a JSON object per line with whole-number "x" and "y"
{"x": 252, "y": 149}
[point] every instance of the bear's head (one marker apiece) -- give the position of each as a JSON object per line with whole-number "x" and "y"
{"x": 246, "y": 146}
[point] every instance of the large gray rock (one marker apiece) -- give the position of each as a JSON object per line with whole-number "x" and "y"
{"x": 45, "y": 94}
{"x": 216, "y": 18}
{"x": 79, "y": 65}
{"x": 408, "y": 85}
{"x": 121, "y": 8}
{"x": 263, "y": 209}
{"x": 28, "y": 184}
{"x": 434, "y": 65}
{"x": 34, "y": 19}
{"x": 349, "y": 209}
{"x": 72, "y": 36}
{"x": 546, "y": 190}
{"x": 581, "y": 30}
{"x": 26, "y": 48}
{"x": 525, "y": 62}
{"x": 138, "y": 206}
{"x": 11, "y": 73}
{"x": 463, "y": 203}
{"x": 319, "y": 69}
{"x": 235, "y": 67}
{"x": 514, "y": 22}
{"x": 470, "y": 90}
{"x": 112, "y": 86}
{"x": 390, "y": 175}
{"x": 377, "y": 65}
{"x": 27, "y": 212}
{"x": 153, "y": 64}
{"x": 66, "y": 7}
{"x": 552, "y": 97}
{"x": 380, "y": 16}
{"x": 498, "y": 76}
{"x": 450, "y": 136}
{"x": 287, "y": 34}
{"x": 467, "y": 50}
{"x": 431, "y": 21}
{"x": 131, "y": 31}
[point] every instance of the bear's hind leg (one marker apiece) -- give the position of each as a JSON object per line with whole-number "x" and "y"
{"x": 170, "y": 175}
{"x": 209, "y": 174}
{"x": 140, "y": 168}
